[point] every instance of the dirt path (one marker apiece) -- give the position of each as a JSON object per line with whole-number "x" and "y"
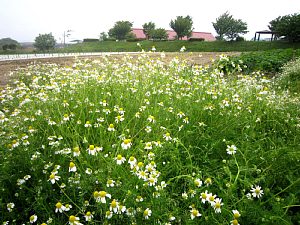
{"x": 200, "y": 58}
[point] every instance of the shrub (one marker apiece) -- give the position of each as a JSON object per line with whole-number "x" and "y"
{"x": 289, "y": 78}
{"x": 239, "y": 38}
{"x": 269, "y": 61}
{"x": 196, "y": 39}
{"x": 90, "y": 40}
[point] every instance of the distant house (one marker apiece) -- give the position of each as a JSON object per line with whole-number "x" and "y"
{"x": 139, "y": 33}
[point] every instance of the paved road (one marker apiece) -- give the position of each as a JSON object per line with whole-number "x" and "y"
{"x": 56, "y": 55}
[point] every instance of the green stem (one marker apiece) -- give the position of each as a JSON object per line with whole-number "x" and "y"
{"x": 281, "y": 191}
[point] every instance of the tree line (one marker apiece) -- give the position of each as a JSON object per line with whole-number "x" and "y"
{"x": 227, "y": 28}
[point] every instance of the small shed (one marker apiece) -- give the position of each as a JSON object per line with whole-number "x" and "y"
{"x": 258, "y": 33}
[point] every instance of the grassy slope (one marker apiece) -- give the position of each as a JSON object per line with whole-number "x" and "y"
{"x": 174, "y": 46}
{"x": 170, "y": 46}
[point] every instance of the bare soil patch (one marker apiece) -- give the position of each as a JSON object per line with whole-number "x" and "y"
{"x": 200, "y": 58}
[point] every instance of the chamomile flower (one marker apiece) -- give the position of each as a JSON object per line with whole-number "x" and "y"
{"x": 110, "y": 183}
{"x": 257, "y": 192}
{"x": 126, "y": 144}
{"x": 234, "y": 222}
{"x": 231, "y": 149}
{"x": 182, "y": 49}
{"x": 92, "y": 150}
{"x": 167, "y": 136}
{"x": 194, "y": 213}
{"x": 198, "y": 182}
{"x": 204, "y": 196}
{"x": 151, "y": 119}
{"x": 72, "y": 167}
{"x": 33, "y": 218}
{"x": 10, "y": 206}
{"x": 68, "y": 207}
{"x": 114, "y": 206}
{"x": 147, "y": 213}
{"x": 111, "y": 127}
{"x": 120, "y": 159}
{"x": 53, "y": 177}
{"x": 59, "y": 207}
{"x": 76, "y": 151}
{"x": 88, "y": 216}
{"x": 87, "y": 124}
{"x": 101, "y": 195}
{"x": 73, "y": 220}
{"x": 88, "y": 171}
{"x": 236, "y": 214}
{"x": 119, "y": 118}
{"x": 208, "y": 181}
{"x": 148, "y": 146}
{"x": 211, "y": 198}
{"x": 148, "y": 129}
{"x": 217, "y": 205}
{"x": 108, "y": 215}
{"x": 132, "y": 161}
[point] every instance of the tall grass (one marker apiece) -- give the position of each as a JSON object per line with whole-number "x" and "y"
{"x": 144, "y": 142}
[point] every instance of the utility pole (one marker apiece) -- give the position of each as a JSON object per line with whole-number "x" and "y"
{"x": 66, "y": 34}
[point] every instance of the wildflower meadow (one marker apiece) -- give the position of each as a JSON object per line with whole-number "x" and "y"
{"x": 143, "y": 141}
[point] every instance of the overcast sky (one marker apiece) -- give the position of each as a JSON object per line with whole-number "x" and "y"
{"x": 23, "y": 20}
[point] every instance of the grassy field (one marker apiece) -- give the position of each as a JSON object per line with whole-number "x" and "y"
{"x": 140, "y": 141}
{"x": 170, "y": 46}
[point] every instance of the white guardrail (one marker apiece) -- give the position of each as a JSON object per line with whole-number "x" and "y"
{"x": 57, "y": 55}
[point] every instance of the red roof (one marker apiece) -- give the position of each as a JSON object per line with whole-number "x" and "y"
{"x": 139, "y": 33}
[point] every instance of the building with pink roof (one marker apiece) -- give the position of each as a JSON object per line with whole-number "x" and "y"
{"x": 139, "y": 33}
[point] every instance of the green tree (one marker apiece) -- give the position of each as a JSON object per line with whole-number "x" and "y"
{"x": 159, "y": 34}
{"x": 120, "y": 30}
{"x": 44, "y": 42}
{"x": 287, "y": 26}
{"x": 9, "y": 44}
{"x": 103, "y": 36}
{"x": 183, "y": 26}
{"x": 148, "y": 28}
{"x": 229, "y": 28}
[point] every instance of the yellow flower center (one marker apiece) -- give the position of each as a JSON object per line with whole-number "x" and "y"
{"x": 127, "y": 141}
{"x": 72, "y": 219}
{"x": 140, "y": 164}
{"x": 235, "y": 222}
{"x": 58, "y": 205}
{"x": 203, "y": 195}
{"x": 76, "y": 149}
{"x": 131, "y": 158}
{"x": 119, "y": 157}
{"x": 52, "y": 176}
{"x": 110, "y": 181}
{"x": 111, "y": 126}
{"x": 91, "y": 147}
{"x": 96, "y": 194}
{"x": 218, "y": 205}
{"x": 113, "y": 204}
{"x": 236, "y": 215}
{"x": 211, "y": 198}
{"x": 32, "y": 218}
{"x": 195, "y": 212}
{"x": 102, "y": 194}
{"x": 72, "y": 165}
{"x": 146, "y": 212}
{"x": 257, "y": 191}
{"x": 88, "y": 213}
